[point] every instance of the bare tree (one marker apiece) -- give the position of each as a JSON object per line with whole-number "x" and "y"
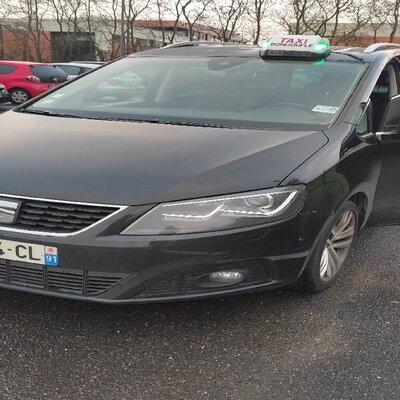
{"x": 227, "y": 17}
{"x": 194, "y": 11}
{"x": 167, "y": 10}
{"x": 98, "y": 22}
{"x": 133, "y": 9}
{"x": 394, "y": 16}
{"x": 27, "y": 29}
{"x": 5, "y": 12}
{"x": 324, "y": 17}
{"x": 378, "y": 16}
{"x": 108, "y": 13}
{"x": 256, "y": 13}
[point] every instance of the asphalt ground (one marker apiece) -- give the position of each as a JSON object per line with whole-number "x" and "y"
{"x": 339, "y": 344}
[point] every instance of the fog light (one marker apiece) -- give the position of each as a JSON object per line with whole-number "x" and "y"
{"x": 226, "y": 277}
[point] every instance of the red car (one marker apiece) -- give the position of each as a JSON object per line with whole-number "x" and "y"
{"x": 25, "y": 80}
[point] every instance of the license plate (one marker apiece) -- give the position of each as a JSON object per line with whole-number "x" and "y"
{"x": 52, "y": 86}
{"x": 29, "y": 253}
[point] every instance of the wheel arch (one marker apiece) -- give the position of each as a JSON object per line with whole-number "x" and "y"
{"x": 360, "y": 199}
{"x": 19, "y": 88}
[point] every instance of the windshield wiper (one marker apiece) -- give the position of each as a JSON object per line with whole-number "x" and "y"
{"x": 47, "y": 112}
{"x": 202, "y": 124}
{"x": 161, "y": 122}
{"x": 149, "y": 121}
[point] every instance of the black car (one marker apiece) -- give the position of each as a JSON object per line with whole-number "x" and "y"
{"x": 236, "y": 169}
{"x": 4, "y": 97}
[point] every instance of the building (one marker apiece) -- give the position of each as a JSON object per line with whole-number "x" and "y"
{"x": 178, "y": 29}
{"x": 60, "y": 41}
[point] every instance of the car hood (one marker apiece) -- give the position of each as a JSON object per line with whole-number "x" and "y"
{"x": 128, "y": 163}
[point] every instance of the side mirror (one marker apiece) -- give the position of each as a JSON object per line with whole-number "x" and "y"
{"x": 370, "y": 138}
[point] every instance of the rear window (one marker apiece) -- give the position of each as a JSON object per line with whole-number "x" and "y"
{"x": 70, "y": 69}
{"x": 7, "y": 69}
{"x": 49, "y": 73}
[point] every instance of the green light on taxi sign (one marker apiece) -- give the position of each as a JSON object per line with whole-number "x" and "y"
{"x": 322, "y": 46}
{"x": 266, "y": 43}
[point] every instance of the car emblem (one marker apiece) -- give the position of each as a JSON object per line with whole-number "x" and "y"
{"x": 8, "y": 211}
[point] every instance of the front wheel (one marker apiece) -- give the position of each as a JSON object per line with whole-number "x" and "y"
{"x": 19, "y": 96}
{"x": 326, "y": 262}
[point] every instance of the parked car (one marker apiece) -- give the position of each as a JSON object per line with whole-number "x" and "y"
{"x": 236, "y": 169}
{"x": 98, "y": 63}
{"x": 4, "y": 96}
{"x": 25, "y": 80}
{"x": 73, "y": 69}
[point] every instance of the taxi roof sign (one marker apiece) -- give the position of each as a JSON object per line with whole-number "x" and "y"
{"x": 295, "y": 46}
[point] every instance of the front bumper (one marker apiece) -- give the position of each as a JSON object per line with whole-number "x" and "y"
{"x": 101, "y": 266}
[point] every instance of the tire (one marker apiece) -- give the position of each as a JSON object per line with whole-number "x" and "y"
{"x": 326, "y": 262}
{"x": 19, "y": 96}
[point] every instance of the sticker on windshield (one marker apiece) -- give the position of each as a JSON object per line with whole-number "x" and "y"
{"x": 325, "y": 109}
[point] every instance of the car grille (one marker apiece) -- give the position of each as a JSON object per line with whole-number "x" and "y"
{"x": 54, "y": 279}
{"x": 55, "y": 217}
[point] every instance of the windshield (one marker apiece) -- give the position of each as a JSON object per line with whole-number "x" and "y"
{"x": 223, "y": 91}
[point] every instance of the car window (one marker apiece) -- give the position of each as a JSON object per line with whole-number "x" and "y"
{"x": 48, "y": 73}
{"x": 363, "y": 126}
{"x": 7, "y": 69}
{"x": 385, "y": 88}
{"x": 70, "y": 69}
{"x": 231, "y": 91}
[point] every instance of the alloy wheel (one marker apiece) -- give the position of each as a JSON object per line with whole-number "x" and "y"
{"x": 19, "y": 96}
{"x": 337, "y": 246}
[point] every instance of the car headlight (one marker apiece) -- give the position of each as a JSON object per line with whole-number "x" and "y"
{"x": 220, "y": 213}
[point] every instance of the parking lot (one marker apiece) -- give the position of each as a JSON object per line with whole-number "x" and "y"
{"x": 340, "y": 344}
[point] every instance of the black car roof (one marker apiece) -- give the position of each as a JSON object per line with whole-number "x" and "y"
{"x": 213, "y": 49}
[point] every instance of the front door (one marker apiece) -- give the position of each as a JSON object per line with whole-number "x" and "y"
{"x": 386, "y": 207}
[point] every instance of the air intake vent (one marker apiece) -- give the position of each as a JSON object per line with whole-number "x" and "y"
{"x": 96, "y": 283}
{"x": 32, "y": 276}
{"x": 54, "y": 217}
{"x": 69, "y": 281}
{"x": 3, "y": 271}
{"x": 73, "y": 281}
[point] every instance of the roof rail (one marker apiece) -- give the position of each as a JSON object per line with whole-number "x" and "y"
{"x": 198, "y": 43}
{"x": 381, "y": 46}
